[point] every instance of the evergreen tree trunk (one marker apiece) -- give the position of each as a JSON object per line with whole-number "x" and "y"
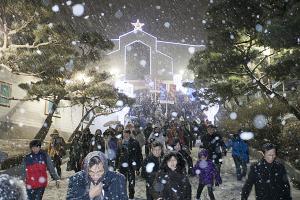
{"x": 81, "y": 121}
{"x": 42, "y": 133}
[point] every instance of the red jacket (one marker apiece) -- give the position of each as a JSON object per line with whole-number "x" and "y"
{"x": 36, "y": 170}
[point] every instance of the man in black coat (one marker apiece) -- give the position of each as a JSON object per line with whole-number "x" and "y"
{"x": 129, "y": 159}
{"x": 213, "y": 142}
{"x": 269, "y": 178}
{"x": 150, "y": 167}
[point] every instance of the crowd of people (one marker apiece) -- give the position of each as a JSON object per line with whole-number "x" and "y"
{"x": 106, "y": 163}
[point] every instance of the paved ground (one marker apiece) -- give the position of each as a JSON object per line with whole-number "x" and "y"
{"x": 229, "y": 190}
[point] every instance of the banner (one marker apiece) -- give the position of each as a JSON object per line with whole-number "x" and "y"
{"x": 163, "y": 92}
{"x": 172, "y": 92}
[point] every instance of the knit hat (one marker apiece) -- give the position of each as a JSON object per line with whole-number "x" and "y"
{"x": 203, "y": 152}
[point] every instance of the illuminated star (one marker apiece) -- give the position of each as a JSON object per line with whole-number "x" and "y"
{"x": 138, "y": 25}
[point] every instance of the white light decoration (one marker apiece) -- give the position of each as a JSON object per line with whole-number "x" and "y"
{"x": 138, "y": 28}
{"x": 137, "y": 25}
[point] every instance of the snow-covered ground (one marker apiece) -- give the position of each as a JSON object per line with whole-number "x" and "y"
{"x": 229, "y": 190}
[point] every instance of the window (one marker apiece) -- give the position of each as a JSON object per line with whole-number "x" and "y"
{"x": 48, "y": 106}
{"x": 5, "y": 93}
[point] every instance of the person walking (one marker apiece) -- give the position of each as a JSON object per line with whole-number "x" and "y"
{"x": 185, "y": 153}
{"x": 269, "y": 178}
{"x": 56, "y": 150}
{"x": 150, "y": 167}
{"x": 213, "y": 142}
{"x": 97, "y": 142}
{"x": 129, "y": 159}
{"x": 208, "y": 175}
{"x": 147, "y": 131}
{"x": 34, "y": 170}
{"x": 240, "y": 154}
{"x": 170, "y": 182}
{"x": 96, "y": 182}
{"x": 157, "y": 135}
{"x": 75, "y": 153}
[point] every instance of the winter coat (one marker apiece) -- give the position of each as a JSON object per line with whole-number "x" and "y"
{"x": 12, "y": 188}
{"x": 86, "y": 139}
{"x": 171, "y": 185}
{"x": 114, "y": 184}
{"x": 239, "y": 148}
{"x": 147, "y": 173}
{"x": 270, "y": 181}
{"x": 56, "y": 146}
{"x": 34, "y": 169}
{"x": 171, "y": 135}
{"x": 215, "y": 146}
{"x": 184, "y": 152}
{"x": 76, "y": 149}
{"x": 129, "y": 156}
{"x": 207, "y": 172}
{"x": 140, "y": 138}
{"x": 97, "y": 144}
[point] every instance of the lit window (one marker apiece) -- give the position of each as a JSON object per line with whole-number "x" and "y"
{"x": 5, "y": 92}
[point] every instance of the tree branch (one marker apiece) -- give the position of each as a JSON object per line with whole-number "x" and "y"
{"x": 12, "y": 32}
{"x": 32, "y": 46}
{"x": 6, "y": 67}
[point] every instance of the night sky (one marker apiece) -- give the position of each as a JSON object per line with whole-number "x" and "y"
{"x": 168, "y": 20}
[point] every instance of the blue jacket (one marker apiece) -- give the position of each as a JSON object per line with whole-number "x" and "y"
{"x": 114, "y": 184}
{"x": 239, "y": 148}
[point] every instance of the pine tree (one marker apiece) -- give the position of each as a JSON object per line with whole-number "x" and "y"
{"x": 252, "y": 46}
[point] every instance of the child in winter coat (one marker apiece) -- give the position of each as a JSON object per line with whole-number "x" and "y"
{"x": 208, "y": 174}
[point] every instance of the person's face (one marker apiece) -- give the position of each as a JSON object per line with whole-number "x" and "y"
{"x": 270, "y": 155}
{"x": 156, "y": 151}
{"x": 210, "y": 130}
{"x": 203, "y": 158}
{"x": 98, "y": 132}
{"x": 35, "y": 150}
{"x": 177, "y": 147}
{"x": 96, "y": 172}
{"x": 172, "y": 163}
{"x": 126, "y": 135}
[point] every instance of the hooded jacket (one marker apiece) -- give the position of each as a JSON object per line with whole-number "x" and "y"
{"x": 12, "y": 188}
{"x": 207, "y": 172}
{"x": 114, "y": 184}
{"x": 239, "y": 148}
